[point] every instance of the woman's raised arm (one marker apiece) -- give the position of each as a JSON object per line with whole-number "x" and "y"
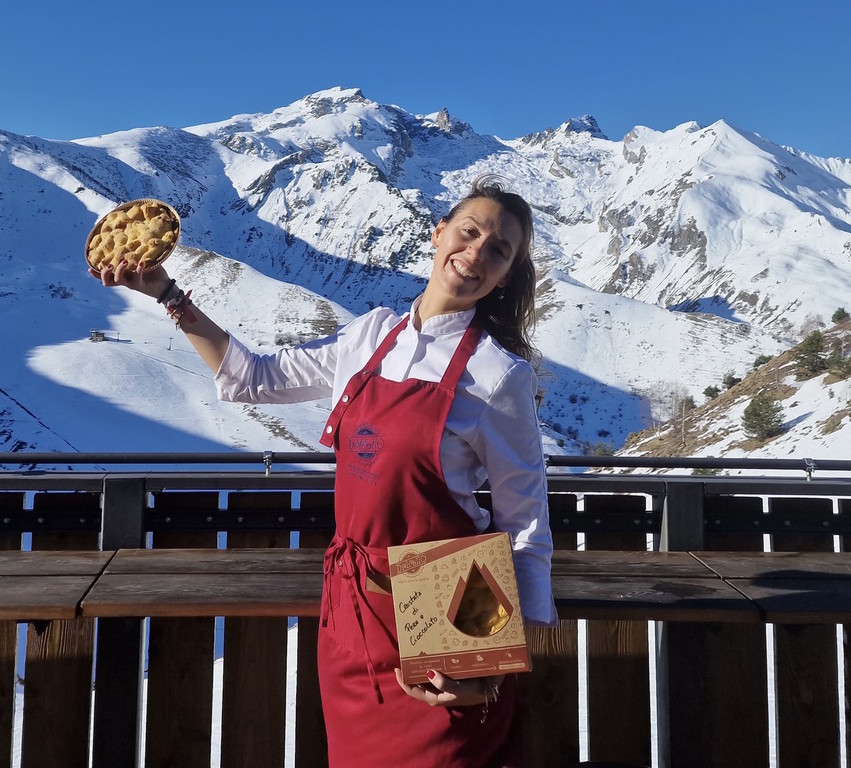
{"x": 209, "y": 340}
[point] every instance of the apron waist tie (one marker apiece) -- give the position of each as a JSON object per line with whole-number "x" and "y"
{"x": 344, "y": 555}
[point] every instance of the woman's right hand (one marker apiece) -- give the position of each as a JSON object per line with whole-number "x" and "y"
{"x": 151, "y": 282}
{"x": 209, "y": 340}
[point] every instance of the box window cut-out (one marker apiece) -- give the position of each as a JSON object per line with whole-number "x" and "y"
{"x": 479, "y": 607}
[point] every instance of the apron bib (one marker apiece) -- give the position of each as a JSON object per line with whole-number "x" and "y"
{"x": 390, "y": 490}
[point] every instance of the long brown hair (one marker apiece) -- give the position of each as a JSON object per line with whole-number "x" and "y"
{"x": 508, "y": 313}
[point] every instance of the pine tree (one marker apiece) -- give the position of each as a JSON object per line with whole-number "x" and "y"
{"x": 836, "y": 362}
{"x": 730, "y": 380}
{"x": 763, "y": 417}
{"x": 810, "y": 357}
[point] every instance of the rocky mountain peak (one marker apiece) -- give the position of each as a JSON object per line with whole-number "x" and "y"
{"x": 668, "y": 257}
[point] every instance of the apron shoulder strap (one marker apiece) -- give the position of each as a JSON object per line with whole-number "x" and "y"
{"x": 462, "y": 354}
{"x": 358, "y": 381}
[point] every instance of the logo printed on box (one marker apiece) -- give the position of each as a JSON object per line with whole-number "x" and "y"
{"x": 411, "y": 563}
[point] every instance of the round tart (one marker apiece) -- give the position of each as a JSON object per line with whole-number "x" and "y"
{"x": 140, "y": 232}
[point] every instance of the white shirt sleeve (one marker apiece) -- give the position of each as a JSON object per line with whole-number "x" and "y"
{"x": 508, "y": 443}
{"x": 295, "y": 375}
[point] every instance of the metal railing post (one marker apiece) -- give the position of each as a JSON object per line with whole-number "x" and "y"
{"x": 682, "y": 530}
{"x": 682, "y": 517}
{"x": 119, "y": 660}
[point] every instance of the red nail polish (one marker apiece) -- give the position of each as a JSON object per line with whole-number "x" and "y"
{"x": 430, "y": 675}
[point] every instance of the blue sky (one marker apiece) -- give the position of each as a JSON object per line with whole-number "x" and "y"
{"x": 779, "y": 68}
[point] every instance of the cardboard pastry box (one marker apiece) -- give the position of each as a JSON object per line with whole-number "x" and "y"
{"x": 457, "y": 608}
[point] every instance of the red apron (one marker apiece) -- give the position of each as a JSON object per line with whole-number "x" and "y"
{"x": 390, "y": 490}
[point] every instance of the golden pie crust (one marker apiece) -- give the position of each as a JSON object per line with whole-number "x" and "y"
{"x": 480, "y": 613}
{"x": 141, "y": 232}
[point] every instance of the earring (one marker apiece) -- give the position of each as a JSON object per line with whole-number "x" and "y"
{"x": 501, "y": 293}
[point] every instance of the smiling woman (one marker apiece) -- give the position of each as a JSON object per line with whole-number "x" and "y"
{"x": 475, "y": 250}
{"x": 426, "y": 407}
{"x": 484, "y": 259}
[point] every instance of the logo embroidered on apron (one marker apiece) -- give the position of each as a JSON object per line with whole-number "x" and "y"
{"x": 366, "y": 442}
{"x": 364, "y": 445}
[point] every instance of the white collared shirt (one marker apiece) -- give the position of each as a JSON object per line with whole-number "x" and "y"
{"x": 491, "y": 431}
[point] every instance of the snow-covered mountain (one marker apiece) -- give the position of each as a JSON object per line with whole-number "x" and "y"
{"x": 666, "y": 259}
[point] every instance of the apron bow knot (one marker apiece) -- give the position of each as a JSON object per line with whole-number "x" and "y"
{"x": 347, "y": 557}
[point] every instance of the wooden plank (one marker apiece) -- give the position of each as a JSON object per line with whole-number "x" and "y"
{"x": 807, "y": 695}
{"x": 715, "y": 721}
{"x": 180, "y": 660}
{"x": 311, "y": 743}
{"x": 547, "y": 696}
{"x": 728, "y": 663}
{"x": 8, "y": 645}
{"x": 177, "y": 583}
{"x": 806, "y": 660}
{"x": 640, "y": 585}
{"x": 42, "y": 598}
{"x": 53, "y": 563}
{"x": 642, "y": 598}
{"x": 255, "y": 660}
{"x": 181, "y": 595}
{"x": 209, "y": 582}
{"x": 820, "y": 601}
{"x": 548, "y": 704}
{"x": 46, "y": 585}
{"x": 790, "y": 587}
{"x": 59, "y": 661}
{"x": 618, "y": 650}
{"x": 254, "y": 692}
{"x": 598, "y": 562}
{"x": 180, "y": 693}
{"x": 57, "y": 693}
{"x": 776, "y": 566}
{"x": 251, "y": 560}
{"x": 8, "y": 641}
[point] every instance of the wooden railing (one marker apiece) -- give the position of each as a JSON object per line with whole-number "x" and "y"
{"x": 680, "y": 693}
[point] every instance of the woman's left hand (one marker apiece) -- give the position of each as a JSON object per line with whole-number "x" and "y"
{"x": 443, "y": 691}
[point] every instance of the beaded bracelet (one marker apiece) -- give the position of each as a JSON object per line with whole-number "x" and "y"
{"x": 179, "y": 307}
{"x": 175, "y": 301}
{"x": 167, "y": 291}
